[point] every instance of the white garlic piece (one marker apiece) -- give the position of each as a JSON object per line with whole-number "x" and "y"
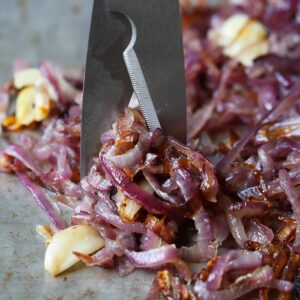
{"x": 242, "y": 38}
{"x": 128, "y": 209}
{"x": 26, "y": 77}
{"x": 80, "y": 238}
{"x": 32, "y": 105}
{"x": 248, "y": 56}
{"x": 252, "y": 34}
{"x": 229, "y": 30}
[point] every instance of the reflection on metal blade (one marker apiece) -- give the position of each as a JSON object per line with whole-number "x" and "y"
{"x": 108, "y": 89}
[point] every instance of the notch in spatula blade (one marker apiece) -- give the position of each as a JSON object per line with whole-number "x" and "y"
{"x": 160, "y": 53}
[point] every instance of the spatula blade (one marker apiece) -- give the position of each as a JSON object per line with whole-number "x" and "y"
{"x": 108, "y": 89}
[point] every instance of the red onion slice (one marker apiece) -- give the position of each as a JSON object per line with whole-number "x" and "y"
{"x": 249, "y": 209}
{"x": 134, "y": 192}
{"x": 42, "y": 201}
{"x": 105, "y": 212}
{"x": 295, "y": 202}
{"x": 22, "y": 155}
{"x": 173, "y": 199}
{"x": 123, "y": 266}
{"x": 224, "y": 164}
{"x": 235, "y": 224}
{"x": 150, "y": 240}
{"x": 137, "y": 154}
{"x": 102, "y": 258}
{"x": 259, "y": 278}
{"x": 200, "y": 252}
{"x": 197, "y": 121}
{"x": 216, "y": 275}
{"x": 259, "y": 233}
{"x": 158, "y": 258}
{"x": 209, "y": 184}
{"x": 187, "y": 184}
{"x": 65, "y": 90}
{"x": 204, "y": 226}
{"x": 246, "y": 260}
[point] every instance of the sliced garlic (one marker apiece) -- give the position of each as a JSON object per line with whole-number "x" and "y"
{"x": 25, "y": 106}
{"x": 32, "y": 105}
{"x": 26, "y": 77}
{"x": 33, "y": 101}
{"x": 242, "y": 38}
{"x": 229, "y": 30}
{"x": 42, "y": 105}
{"x": 80, "y": 238}
{"x": 127, "y": 208}
{"x": 247, "y": 56}
{"x": 253, "y": 33}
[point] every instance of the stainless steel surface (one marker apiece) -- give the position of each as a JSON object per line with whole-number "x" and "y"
{"x": 138, "y": 81}
{"x": 41, "y": 29}
{"x": 159, "y": 49}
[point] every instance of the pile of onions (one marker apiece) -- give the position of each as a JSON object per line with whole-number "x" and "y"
{"x": 159, "y": 204}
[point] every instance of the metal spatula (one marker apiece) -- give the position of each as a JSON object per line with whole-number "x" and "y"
{"x": 135, "y": 46}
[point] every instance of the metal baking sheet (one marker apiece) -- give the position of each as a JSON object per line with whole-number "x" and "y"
{"x": 43, "y": 29}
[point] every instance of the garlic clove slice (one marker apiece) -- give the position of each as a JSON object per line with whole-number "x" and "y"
{"x": 229, "y": 30}
{"x": 42, "y": 105}
{"x": 250, "y": 35}
{"x": 80, "y": 238}
{"x": 32, "y": 105}
{"x": 25, "y": 106}
{"x": 26, "y": 77}
{"x": 242, "y": 38}
{"x": 247, "y": 56}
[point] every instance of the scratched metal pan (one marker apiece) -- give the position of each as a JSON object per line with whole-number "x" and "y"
{"x": 56, "y": 30}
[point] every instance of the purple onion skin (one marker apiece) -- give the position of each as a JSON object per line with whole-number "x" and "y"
{"x": 132, "y": 190}
{"x": 42, "y": 201}
{"x": 104, "y": 211}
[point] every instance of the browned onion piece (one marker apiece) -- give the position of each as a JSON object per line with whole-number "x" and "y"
{"x": 294, "y": 200}
{"x": 159, "y": 257}
{"x": 248, "y": 208}
{"x": 132, "y": 190}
